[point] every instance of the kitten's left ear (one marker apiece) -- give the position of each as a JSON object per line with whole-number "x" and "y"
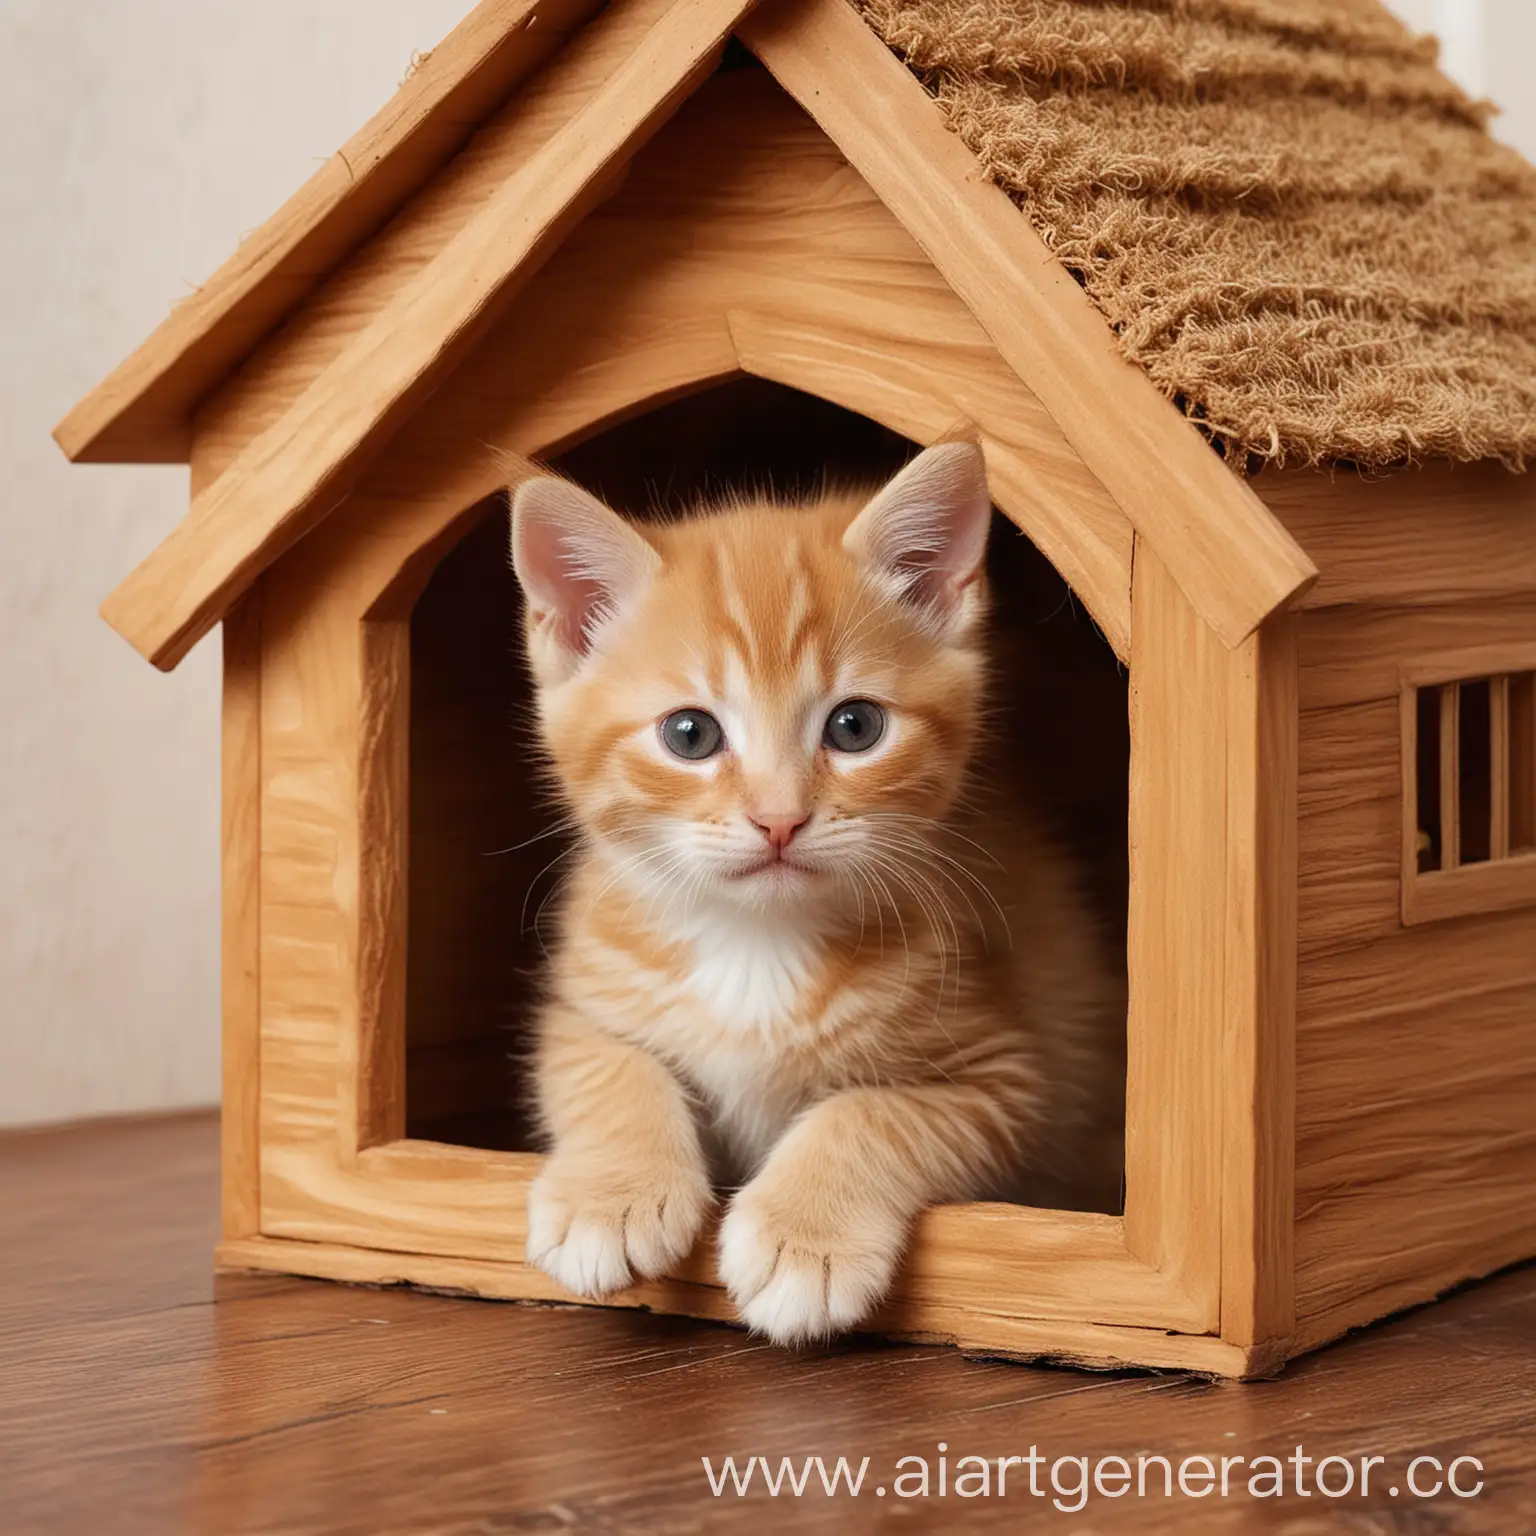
{"x": 580, "y": 565}
{"x": 928, "y": 528}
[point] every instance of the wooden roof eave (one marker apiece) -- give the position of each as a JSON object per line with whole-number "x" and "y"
{"x": 141, "y": 412}
{"x": 292, "y": 474}
{"x": 1230, "y": 555}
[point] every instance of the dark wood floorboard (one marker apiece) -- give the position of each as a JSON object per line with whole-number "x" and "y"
{"x": 139, "y": 1394}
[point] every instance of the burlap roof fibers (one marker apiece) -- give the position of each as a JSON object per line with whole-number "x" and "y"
{"x": 1298, "y": 226}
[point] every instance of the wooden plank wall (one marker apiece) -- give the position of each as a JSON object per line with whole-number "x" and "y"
{"x": 240, "y": 956}
{"x": 1415, "y": 1070}
{"x": 696, "y": 257}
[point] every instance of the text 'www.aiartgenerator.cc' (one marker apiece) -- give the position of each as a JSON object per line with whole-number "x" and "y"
{"x": 1069, "y": 1482}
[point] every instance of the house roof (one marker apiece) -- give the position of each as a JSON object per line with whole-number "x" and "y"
{"x": 624, "y": 74}
{"x": 1295, "y": 223}
{"x": 141, "y": 412}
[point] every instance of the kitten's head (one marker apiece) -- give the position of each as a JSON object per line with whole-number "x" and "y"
{"x": 765, "y": 705}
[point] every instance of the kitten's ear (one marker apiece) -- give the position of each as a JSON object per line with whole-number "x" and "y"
{"x": 928, "y": 528}
{"x": 579, "y": 564}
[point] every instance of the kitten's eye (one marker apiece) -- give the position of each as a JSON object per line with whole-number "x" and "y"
{"x": 854, "y": 726}
{"x": 692, "y": 734}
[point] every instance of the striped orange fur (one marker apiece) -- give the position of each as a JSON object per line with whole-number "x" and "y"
{"x": 824, "y": 974}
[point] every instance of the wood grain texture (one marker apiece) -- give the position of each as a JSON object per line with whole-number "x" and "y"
{"x": 1356, "y": 836}
{"x": 1450, "y": 776}
{"x": 284, "y": 365}
{"x": 1354, "y": 813}
{"x": 1058, "y": 504}
{"x": 1445, "y": 533}
{"x": 1350, "y": 826}
{"x": 1359, "y": 652}
{"x": 335, "y": 734}
{"x": 291, "y": 475}
{"x": 578, "y": 375}
{"x": 1413, "y": 1153}
{"x": 1231, "y": 556}
{"x": 240, "y": 948}
{"x": 1414, "y": 1045}
{"x": 1412, "y": 1148}
{"x": 1439, "y": 964}
{"x": 1176, "y": 1085}
{"x": 1471, "y": 890}
{"x": 1505, "y": 648}
{"x": 312, "y": 702}
{"x": 1094, "y": 1345}
{"x": 467, "y": 1204}
{"x": 142, "y": 1395}
{"x": 142, "y": 410}
{"x": 974, "y": 1272}
{"x": 740, "y": 211}
{"x": 374, "y": 1077}
{"x": 1409, "y": 818}
{"x": 1463, "y": 887}
{"x": 1259, "y": 1092}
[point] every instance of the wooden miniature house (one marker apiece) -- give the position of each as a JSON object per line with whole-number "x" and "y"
{"x": 570, "y": 215}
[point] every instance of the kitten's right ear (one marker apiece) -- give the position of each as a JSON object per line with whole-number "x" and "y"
{"x": 579, "y": 564}
{"x": 926, "y": 532}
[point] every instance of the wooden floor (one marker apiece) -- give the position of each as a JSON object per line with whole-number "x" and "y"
{"x": 138, "y": 1393}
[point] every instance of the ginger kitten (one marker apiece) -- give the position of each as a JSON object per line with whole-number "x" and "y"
{"x": 793, "y": 956}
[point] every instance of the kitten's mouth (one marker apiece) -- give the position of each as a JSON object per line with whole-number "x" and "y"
{"x": 775, "y": 866}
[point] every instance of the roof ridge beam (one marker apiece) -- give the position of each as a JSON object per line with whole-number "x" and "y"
{"x": 1229, "y": 554}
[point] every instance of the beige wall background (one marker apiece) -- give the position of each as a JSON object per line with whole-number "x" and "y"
{"x": 138, "y": 140}
{"x": 1489, "y": 48}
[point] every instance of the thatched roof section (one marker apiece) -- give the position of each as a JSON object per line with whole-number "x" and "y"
{"x": 1295, "y": 223}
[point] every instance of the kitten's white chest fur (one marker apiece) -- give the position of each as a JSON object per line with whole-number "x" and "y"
{"x": 750, "y": 970}
{"x": 750, "y": 973}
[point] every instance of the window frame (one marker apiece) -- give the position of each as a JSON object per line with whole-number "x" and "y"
{"x": 1500, "y": 883}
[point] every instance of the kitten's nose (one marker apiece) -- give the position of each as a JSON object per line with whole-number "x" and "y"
{"x": 779, "y": 829}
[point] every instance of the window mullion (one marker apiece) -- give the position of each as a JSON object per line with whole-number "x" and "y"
{"x": 1450, "y": 776}
{"x": 1498, "y": 766}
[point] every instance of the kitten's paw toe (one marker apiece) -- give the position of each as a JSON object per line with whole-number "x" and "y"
{"x": 660, "y": 1226}
{"x": 588, "y": 1259}
{"x": 595, "y": 1239}
{"x": 798, "y": 1285}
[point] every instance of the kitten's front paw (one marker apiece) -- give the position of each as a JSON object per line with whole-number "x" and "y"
{"x": 595, "y": 1237}
{"x": 796, "y": 1279}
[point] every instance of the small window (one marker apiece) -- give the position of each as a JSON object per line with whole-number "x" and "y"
{"x": 1469, "y": 780}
